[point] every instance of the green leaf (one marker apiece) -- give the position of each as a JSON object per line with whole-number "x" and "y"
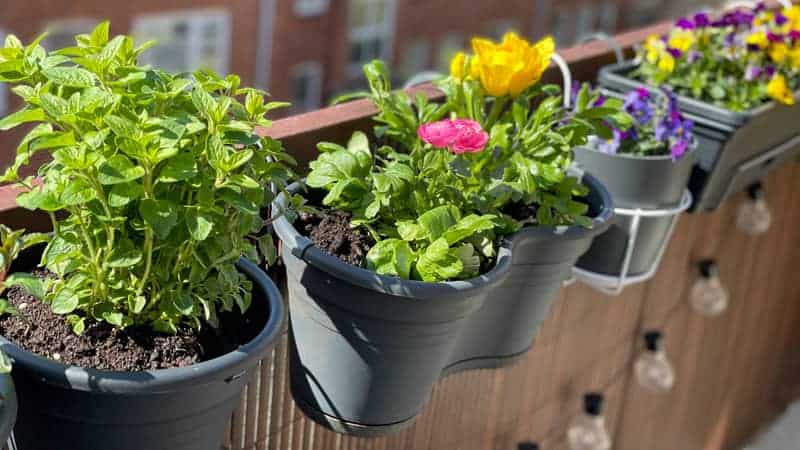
{"x": 124, "y": 193}
{"x": 438, "y": 220}
{"x": 124, "y": 255}
{"x": 438, "y": 263}
{"x": 199, "y": 223}
{"x": 77, "y": 192}
{"x": 99, "y": 34}
{"x": 39, "y": 199}
{"x": 469, "y": 226}
{"x": 137, "y": 304}
{"x": 391, "y": 257}
{"x": 184, "y": 304}
{"x": 70, "y": 76}
{"x": 119, "y": 169}
{"x": 266, "y": 246}
{"x": 64, "y": 302}
{"x": 52, "y": 140}
{"x": 28, "y": 283}
{"x": 121, "y": 126}
{"x": 5, "y": 306}
{"x": 77, "y": 323}
{"x": 181, "y": 167}
{"x": 22, "y": 116}
{"x": 161, "y": 215}
{"x": 204, "y": 103}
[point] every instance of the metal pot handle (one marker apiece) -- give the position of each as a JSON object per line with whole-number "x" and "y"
{"x": 422, "y": 78}
{"x": 612, "y": 43}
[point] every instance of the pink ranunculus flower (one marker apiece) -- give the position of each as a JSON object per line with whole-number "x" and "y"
{"x": 459, "y": 135}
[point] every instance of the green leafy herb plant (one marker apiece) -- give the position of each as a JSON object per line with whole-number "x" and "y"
{"x": 155, "y": 184}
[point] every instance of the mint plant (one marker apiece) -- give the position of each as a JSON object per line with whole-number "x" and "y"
{"x": 158, "y": 181}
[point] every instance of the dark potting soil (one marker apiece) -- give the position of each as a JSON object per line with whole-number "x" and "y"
{"x": 331, "y": 231}
{"x": 38, "y": 330}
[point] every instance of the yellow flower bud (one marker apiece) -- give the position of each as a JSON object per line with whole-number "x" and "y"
{"x": 458, "y": 66}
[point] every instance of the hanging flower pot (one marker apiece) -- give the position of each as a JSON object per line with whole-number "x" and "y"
{"x": 440, "y": 246}
{"x": 646, "y": 169}
{"x": 139, "y": 324}
{"x": 736, "y": 76}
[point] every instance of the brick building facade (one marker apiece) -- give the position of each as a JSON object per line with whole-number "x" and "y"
{"x": 305, "y": 51}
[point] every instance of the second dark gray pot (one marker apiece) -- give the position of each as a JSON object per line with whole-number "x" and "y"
{"x": 367, "y": 349}
{"x": 651, "y": 183}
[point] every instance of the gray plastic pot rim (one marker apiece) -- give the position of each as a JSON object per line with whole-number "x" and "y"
{"x": 625, "y": 66}
{"x": 228, "y": 366}
{"x": 659, "y": 158}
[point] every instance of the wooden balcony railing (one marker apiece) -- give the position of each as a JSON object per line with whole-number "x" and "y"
{"x": 733, "y": 373}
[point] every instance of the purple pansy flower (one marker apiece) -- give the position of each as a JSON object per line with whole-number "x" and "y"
{"x": 674, "y": 52}
{"x": 685, "y": 24}
{"x": 702, "y": 20}
{"x": 760, "y": 7}
{"x": 780, "y": 19}
{"x": 752, "y": 72}
{"x": 694, "y": 56}
{"x": 770, "y": 70}
{"x": 679, "y": 149}
{"x": 794, "y": 35}
{"x": 774, "y": 37}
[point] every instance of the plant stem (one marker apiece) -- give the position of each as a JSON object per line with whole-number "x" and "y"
{"x": 497, "y": 108}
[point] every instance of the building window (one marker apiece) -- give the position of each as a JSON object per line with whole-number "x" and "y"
{"x": 564, "y": 28}
{"x": 450, "y": 44}
{"x": 310, "y": 8}
{"x": 371, "y": 29}
{"x": 609, "y": 16}
{"x": 415, "y": 58}
{"x": 542, "y": 18}
{"x": 306, "y": 86}
{"x": 3, "y": 87}
{"x": 61, "y": 33}
{"x": 585, "y": 23}
{"x": 498, "y": 28}
{"x": 187, "y": 41}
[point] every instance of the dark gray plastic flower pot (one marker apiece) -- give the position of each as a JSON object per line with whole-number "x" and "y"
{"x": 367, "y": 349}
{"x": 71, "y": 408}
{"x": 735, "y": 149}
{"x": 8, "y": 407}
{"x": 651, "y": 183}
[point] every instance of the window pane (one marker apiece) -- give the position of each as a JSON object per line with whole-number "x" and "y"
{"x": 450, "y": 44}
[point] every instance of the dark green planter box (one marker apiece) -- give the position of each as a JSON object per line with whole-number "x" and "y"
{"x": 735, "y": 149}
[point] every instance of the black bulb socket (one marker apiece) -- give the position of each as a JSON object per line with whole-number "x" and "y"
{"x": 708, "y": 268}
{"x": 652, "y": 340}
{"x": 593, "y": 403}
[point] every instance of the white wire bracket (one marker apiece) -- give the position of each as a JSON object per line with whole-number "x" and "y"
{"x": 567, "y": 76}
{"x": 614, "y": 285}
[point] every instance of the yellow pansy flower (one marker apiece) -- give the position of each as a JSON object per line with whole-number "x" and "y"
{"x": 653, "y": 46}
{"x": 778, "y": 52}
{"x": 512, "y": 66}
{"x": 779, "y": 90}
{"x": 794, "y": 57}
{"x": 666, "y": 63}
{"x": 758, "y": 39}
{"x": 793, "y": 14}
{"x": 764, "y": 18}
{"x": 682, "y": 40}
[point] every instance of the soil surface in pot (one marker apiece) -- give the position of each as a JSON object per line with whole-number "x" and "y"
{"x": 331, "y": 232}
{"x": 38, "y": 330}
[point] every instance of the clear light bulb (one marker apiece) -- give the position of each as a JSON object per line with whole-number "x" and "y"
{"x": 653, "y": 369}
{"x": 753, "y": 216}
{"x": 708, "y": 296}
{"x": 588, "y": 431}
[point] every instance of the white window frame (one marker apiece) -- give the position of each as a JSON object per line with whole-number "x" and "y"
{"x": 3, "y": 86}
{"x": 418, "y": 49}
{"x": 609, "y": 16}
{"x": 71, "y": 27}
{"x": 194, "y": 19}
{"x": 311, "y": 8}
{"x": 314, "y": 71}
{"x": 384, "y": 30}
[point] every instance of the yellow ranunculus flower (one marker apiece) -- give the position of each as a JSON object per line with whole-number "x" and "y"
{"x": 512, "y": 66}
{"x": 681, "y": 40}
{"x": 779, "y": 90}
{"x": 778, "y": 52}
{"x": 666, "y": 63}
{"x": 758, "y": 39}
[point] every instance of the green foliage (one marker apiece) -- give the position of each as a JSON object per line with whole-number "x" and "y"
{"x": 158, "y": 181}
{"x": 12, "y": 243}
{"x": 437, "y": 215}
